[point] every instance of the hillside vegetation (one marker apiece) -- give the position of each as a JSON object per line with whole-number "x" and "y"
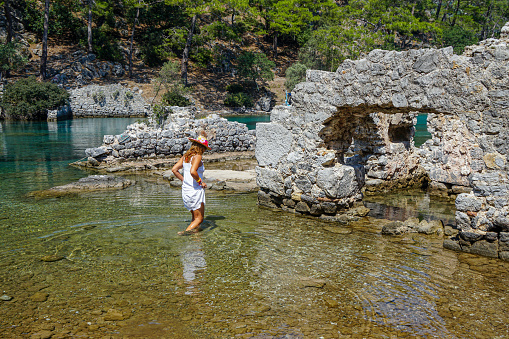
{"x": 224, "y": 52}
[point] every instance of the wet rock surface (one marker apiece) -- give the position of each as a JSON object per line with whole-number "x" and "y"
{"x": 87, "y": 184}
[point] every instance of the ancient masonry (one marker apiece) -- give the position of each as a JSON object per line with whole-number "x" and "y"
{"x": 170, "y": 137}
{"x": 351, "y": 131}
{"x": 95, "y": 101}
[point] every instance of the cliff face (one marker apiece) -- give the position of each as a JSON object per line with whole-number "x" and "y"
{"x": 352, "y": 131}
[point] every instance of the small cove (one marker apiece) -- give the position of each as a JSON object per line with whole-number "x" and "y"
{"x": 252, "y": 273}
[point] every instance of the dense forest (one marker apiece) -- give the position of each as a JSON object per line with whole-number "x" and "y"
{"x": 247, "y": 38}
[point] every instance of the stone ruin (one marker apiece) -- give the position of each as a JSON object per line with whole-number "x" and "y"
{"x": 169, "y": 137}
{"x": 350, "y": 132}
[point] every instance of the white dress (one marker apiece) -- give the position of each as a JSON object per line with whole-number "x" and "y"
{"x": 193, "y": 193}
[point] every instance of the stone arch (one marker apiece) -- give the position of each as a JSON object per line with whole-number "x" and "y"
{"x": 361, "y": 115}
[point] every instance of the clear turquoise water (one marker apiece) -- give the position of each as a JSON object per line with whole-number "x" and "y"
{"x": 252, "y": 273}
{"x": 250, "y": 121}
{"x": 421, "y": 131}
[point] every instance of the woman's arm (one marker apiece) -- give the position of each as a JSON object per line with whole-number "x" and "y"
{"x": 195, "y": 163}
{"x": 176, "y": 169}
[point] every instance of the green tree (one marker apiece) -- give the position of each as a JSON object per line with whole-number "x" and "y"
{"x": 295, "y": 74}
{"x": 255, "y": 66}
{"x": 169, "y": 79}
{"x": 11, "y": 58}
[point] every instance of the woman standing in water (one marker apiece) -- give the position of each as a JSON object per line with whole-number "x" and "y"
{"x": 193, "y": 192}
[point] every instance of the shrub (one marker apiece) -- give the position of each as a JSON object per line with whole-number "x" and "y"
{"x": 202, "y": 57}
{"x": 99, "y": 97}
{"x": 295, "y": 74}
{"x": 11, "y": 57}
{"x": 238, "y": 100}
{"x": 234, "y": 88}
{"x": 28, "y": 99}
{"x": 105, "y": 44}
{"x": 459, "y": 38}
{"x": 160, "y": 114}
{"x": 172, "y": 98}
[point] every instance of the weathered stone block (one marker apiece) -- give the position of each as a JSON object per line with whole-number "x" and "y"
{"x": 504, "y": 255}
{"x": 315, "y": 210}
{"x": 273, "y": 141}
{"x": 328, "y": 207}
{"x": 452, "y": 244}
{"x": 264, "y": 199}
{"x": 503, "y": 241}
{"x": 485, "y": 248}
{"x": 394, "y": 228}
{"x": 470, "y": 236}
{"x": 468, "y": 202}
{"x": 270, "y": 179}
{"x": 338, "y": 181}
{"x": 302, "y": 207}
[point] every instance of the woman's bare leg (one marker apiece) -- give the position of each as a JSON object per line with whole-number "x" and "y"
{"x": 197, "y": 219}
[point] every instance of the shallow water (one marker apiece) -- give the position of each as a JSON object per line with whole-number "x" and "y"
{"x": 252, "y": 273}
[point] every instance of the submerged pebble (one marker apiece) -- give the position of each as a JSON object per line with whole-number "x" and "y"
{"x": 5, "y": 298}
{"x": 51, "y": 258}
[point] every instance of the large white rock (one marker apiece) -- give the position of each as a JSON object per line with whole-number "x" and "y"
{"x": 273, "y": 141}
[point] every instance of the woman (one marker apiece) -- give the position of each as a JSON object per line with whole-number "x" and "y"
{"x": 193, "y": 192}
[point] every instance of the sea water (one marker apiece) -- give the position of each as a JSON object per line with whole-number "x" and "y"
{"x": 110, "y": 264}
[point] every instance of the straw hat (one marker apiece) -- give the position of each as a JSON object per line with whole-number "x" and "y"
{"x": 202, "y": 141}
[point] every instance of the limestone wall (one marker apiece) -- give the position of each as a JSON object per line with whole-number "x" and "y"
{"x": 352, "y": 130}
{"x": 107, "y": 101}
{"x": 142, "y": 140}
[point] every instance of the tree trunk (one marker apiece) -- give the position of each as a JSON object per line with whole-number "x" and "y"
{"x": 132, "y": 41}
{"x": 439, "y": 7}
{"x": 8, "y": 16}
{"x": 274, "y": 45}
{"x": 185, "y": 54}
{"x": 89, "y": 29}
{"x": 44, "y": 57}
{"x": 455, "y": 13}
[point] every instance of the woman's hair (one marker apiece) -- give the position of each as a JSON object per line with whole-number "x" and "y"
{"x": 196, "y": 148}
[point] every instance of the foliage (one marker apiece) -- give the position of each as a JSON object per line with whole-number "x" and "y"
{"x": 169, "y": 78}
{"x": 99, "y": 97}
{"x": 330, "y": 45}
{"x": 295, "y": 74}
{"x": 160, "y": 113}
{"x": 152, "y": 51}
{"x": 255, "y": 66}
{"x": 238, "y": 100}
{"x": 62, "y": 16}
{"x": 11, "y": 58}
{"x": 234, "y": 88}
{"x": 29, "y": 99}
{"x": 174, "y": 98}
{"x": 105, "y": 45}
{"x": 202, "y": 57}
{"x": 459, "y": 38}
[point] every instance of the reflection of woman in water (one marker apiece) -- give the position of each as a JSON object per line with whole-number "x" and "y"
{"x": 193, "y": 192}
{"x": 193, "y": 262}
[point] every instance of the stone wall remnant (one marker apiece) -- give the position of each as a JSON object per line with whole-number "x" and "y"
{"x": 353, "y": 129}
{"x": 107, "y": 101}
{"x": 142, "y": 140}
